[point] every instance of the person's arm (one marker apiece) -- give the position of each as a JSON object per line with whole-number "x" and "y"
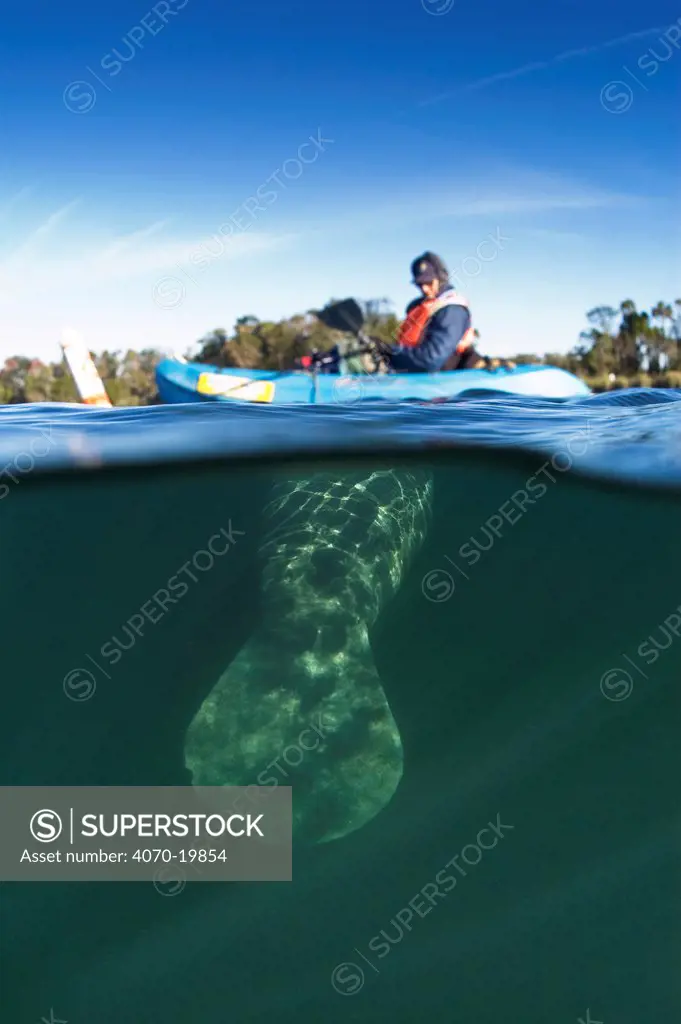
{"x": 442, "y": 335}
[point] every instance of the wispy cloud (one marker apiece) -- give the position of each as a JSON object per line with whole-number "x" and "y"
{"x": 131, "y": 241}
{"x": 525, "y": 194}
{"x": 7, "y": 207}
{"x": 510, "y": 203}
{"x": 177, "y": 253}
{"x": 28, "y": 247}
{"x": 80, "y": 263}
{"x": 49, "y": 224}
{"x": 553, "y": 235}
{"x": 542, "y": 65}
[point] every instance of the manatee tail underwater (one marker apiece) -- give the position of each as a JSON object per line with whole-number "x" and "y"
{"x": 302, "y": 704}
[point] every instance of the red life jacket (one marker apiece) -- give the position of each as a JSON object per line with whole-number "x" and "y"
{"x": 414, "y": 325}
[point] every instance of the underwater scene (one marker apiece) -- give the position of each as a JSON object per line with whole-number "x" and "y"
{"x": 453, "y": 629}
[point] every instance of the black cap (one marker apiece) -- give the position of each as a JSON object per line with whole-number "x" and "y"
{"x": 427, "y": 267}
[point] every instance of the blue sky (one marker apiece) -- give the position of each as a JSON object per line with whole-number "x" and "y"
{"x": 167, "y": 167}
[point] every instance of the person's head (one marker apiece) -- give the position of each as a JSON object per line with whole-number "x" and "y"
{"x": 430, "y": 274}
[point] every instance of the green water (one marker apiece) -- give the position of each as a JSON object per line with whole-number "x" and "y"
{"x": 439, "y": 717}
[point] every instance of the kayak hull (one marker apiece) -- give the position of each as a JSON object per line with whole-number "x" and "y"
{"x": 179, "y": 383}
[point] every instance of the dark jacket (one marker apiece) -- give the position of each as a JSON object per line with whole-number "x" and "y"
{"x": 437, "y": 349}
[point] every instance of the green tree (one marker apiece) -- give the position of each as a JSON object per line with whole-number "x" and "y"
{"x": 527, "y": 359}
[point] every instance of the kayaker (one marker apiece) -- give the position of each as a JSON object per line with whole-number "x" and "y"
{"x": 437, "y": 333}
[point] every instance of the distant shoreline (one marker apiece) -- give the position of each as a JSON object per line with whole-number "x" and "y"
{"x": 670, "y": 379}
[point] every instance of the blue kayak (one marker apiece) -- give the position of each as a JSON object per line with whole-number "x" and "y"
{"x": 180, "y": 382}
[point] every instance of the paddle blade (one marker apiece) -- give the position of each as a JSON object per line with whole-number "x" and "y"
{"x": 342, "y": 316}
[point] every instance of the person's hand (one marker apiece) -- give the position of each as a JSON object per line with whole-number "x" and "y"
{"x": 383, "y": 347}
{"x": 380, "y": 355}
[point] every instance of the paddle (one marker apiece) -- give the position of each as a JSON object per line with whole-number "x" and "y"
{"x": 347, "y": 316}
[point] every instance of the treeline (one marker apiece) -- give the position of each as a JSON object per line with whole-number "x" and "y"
{"x": 622, "y": 348}
{"x": 129, "y": 379}
{"x": 625, "y": 347}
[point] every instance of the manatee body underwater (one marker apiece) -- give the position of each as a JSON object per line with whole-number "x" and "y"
{"x": 289, "y": 608}
{"x": 302, "y": 704}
